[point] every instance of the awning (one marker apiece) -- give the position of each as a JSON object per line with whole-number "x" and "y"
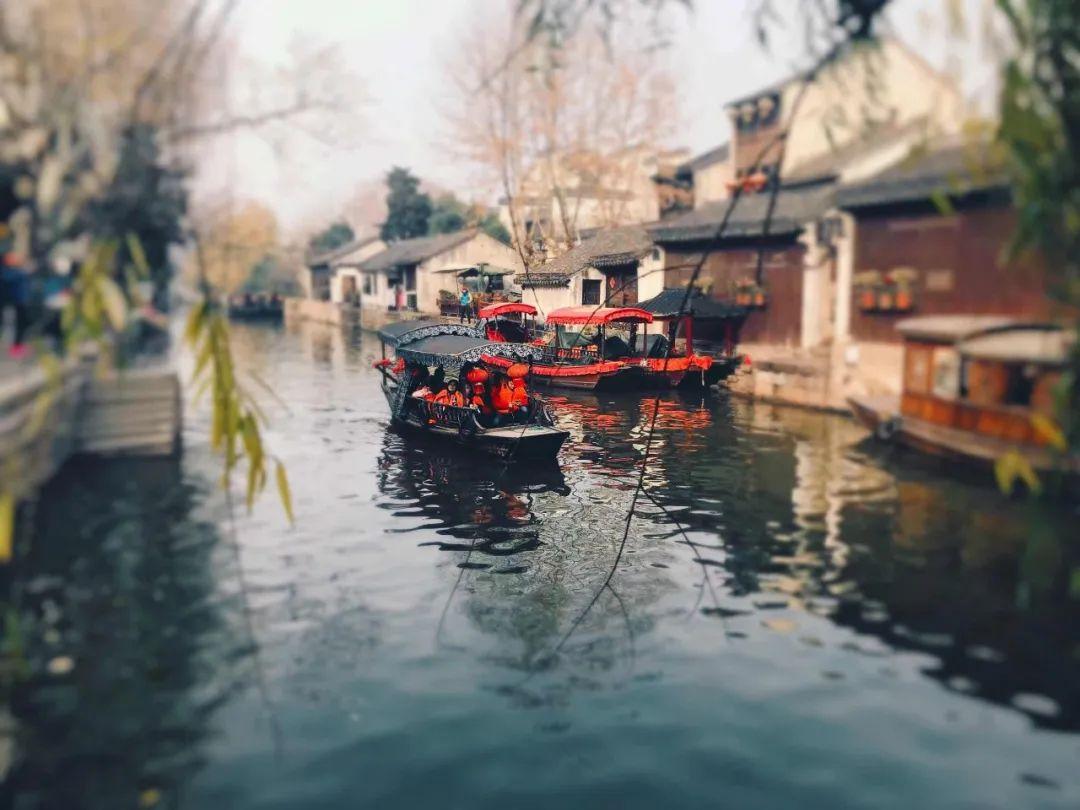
{"x": 598, "y": 315}
{"x": 396, "y": 334}
{"x": 673, "y": 302}
{"x": 454, "y": 350}
{"x": 506, "y": 308}
{"x": 482, "y": 269}
{"x": 953, "y": 328}
{"x": 1046, "y": 346}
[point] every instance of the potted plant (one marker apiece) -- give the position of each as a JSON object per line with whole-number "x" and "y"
{"x": 744, "y": 292}
{"x": 867, "y": 284}
{"x": 903, "y": 280}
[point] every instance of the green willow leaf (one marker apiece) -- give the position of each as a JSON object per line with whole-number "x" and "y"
{"x": 284, "y": 492}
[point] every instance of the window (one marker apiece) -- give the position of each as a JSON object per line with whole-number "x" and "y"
{"x": 1020, "y": 384}
{"x": 590, "y": 291}
{"x": 656, "y": 254}
{"x": 946, "y": 379}
{"x": 369, "y": 284}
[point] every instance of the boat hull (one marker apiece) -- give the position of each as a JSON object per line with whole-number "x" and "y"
{"x": 882, "y": 416}
{"x": 518, "y": 442}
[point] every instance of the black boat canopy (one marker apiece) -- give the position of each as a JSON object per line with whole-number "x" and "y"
{"x": 397, "y": 334}
{"x": 701, "y": 307}
{"x": 454, "y": 350}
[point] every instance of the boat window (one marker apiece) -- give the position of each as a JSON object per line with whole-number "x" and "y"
{"x": 946, "y": 380}
{"x": 917, "y": 369}
{"x": 1020, "y": 384}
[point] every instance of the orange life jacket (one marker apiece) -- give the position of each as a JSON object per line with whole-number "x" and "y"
{"x": 478, "y": 399}
{"x": 519, "y": 397}
{"x": 502, "y": 397}
{"x": 445, "y": 397}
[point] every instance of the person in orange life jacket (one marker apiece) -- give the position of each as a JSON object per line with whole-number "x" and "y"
{"x": 519, "y": 398}
{"x": 450, "y": 395}
{"x": 502, "y": 396}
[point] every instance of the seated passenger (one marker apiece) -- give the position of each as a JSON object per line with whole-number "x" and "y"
{"x": 450, "y": 395}
{"x": 478, "y": 399}
{"x": 502, "y": 399}
{"x": 519, "y": 399}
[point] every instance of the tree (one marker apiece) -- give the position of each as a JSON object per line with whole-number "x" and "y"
{"x": 232, "y": 243}
{"x": 408, "y": 209}
{"x": 1040, "y": 127}
{"x": 449, "y": 214}
{"x": 147, "y": 199}
{"x": 560, "y": 125}
{"x": 335, "y": 236}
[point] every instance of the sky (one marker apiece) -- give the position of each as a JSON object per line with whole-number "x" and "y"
{"x": 388, "y": 66}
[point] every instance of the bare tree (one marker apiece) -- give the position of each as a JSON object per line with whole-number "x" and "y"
{"x": 567, "y": 132}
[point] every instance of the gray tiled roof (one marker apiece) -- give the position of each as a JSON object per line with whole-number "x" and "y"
{"x": 328, "y": 256}
{"x": 954, "y": 170}
{"x": 605, "y": 248}
{"x": 414, "y": 251}
{"x": 795, "y": 207}
{"x": 718, "y": 154}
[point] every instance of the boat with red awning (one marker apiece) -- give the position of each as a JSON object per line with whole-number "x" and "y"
{"x": 584, "y": 348}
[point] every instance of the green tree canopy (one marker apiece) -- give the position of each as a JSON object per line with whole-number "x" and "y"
{"x": 407, "y": 208}
{"x": 336, "y": 235}
{"x": 450, "y": 214}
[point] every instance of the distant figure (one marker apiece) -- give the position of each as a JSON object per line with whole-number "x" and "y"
{"x": 465, "y": 306}
{"x": 399, "y": 298}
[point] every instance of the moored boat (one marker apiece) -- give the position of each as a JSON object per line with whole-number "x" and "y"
{"x": 583, "y": 349}
{"x": 419, "y": 346}
{"x": 975, "y": 388}
{"x": 680, "y": 314}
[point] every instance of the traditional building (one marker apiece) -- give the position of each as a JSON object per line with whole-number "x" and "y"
{"x": 407, "y": 275}
{"x": 929, "y": 236}
{"x": 614, "y": 266}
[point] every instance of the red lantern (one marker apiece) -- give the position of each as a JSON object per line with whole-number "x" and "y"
{"x": 477, "y": 375}
{"x": 517, "y": 371}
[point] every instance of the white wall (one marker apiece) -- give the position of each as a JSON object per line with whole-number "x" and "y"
{"x": 480, "y": 249}
{"x": 710, "y": 183}
{"x": 650, "y": 281}
{"x": 887, "y": 83}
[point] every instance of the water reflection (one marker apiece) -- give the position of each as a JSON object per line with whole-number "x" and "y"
{"x": 128, "y": 635}
{"x": 789, "y": 603}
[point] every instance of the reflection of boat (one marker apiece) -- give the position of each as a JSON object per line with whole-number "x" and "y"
{"x": 680, "y": 313}
{"x": 420, "y": 345}
{"x": 974, "y": 388}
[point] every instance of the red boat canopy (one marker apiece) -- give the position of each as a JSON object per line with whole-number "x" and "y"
{"x": 505, "y": 308}
{"x": 598, "y": 315}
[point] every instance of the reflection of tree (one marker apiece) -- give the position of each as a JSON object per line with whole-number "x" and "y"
{"x": 122, "y": 585}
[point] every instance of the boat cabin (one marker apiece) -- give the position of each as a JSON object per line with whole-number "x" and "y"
{"x": 508, "y": 321}
{"x": 588, "y": 333}
{"x": 982, "y": 374}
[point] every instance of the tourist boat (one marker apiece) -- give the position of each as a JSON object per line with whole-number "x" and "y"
{"x": 512, "y": 321}
{"x": 686, "y": 367}
{"x": 579, "y": 350}
{"x": 260, "y": 306}
{"x": 974, "y": 389}
{"x": 425, "y": 344}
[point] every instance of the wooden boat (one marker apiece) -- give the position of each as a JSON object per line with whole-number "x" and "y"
{"x": 255, "y": 307}
{"x": 508, "y": 321}
{"x": 422, "y": 344}
{"x": 973, "y": 389}
{"x": 679, "y": 314}
{"x": 589, "y": 358}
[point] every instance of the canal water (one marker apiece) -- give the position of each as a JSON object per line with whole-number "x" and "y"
{"x": 797, "y": 618}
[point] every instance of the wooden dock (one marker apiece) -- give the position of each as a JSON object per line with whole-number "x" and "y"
{"x": 49, "y": 415}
